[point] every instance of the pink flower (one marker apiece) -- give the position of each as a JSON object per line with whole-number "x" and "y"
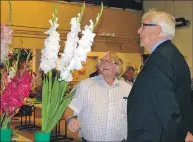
{"x": 6, "y": 33}
{"x": 15, "y": 92}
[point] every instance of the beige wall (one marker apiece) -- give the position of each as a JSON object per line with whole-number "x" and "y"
{"x": 30, "y": 21}
{"x": 184, "y": 36}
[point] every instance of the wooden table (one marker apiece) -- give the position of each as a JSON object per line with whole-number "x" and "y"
{"x": 27, "y": 123}
{"x": 19, "y": 138}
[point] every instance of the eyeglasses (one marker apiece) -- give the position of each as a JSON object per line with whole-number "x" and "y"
{"x": 150, "y": 25}
{"x": 108, "y": 61}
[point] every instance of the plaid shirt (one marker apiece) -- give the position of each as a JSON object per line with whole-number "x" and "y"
{"x": 101, "y": 109}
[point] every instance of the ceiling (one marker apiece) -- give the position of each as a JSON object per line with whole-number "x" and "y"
{"x": 125, "y": 4}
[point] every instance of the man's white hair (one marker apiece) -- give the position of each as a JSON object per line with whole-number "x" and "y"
{"x": 165, "y": 20}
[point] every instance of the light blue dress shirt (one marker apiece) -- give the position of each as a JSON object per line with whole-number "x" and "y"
{"x": 157, "y": 44}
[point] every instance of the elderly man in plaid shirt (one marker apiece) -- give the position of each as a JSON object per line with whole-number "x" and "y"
{"x": 99, "y": 105}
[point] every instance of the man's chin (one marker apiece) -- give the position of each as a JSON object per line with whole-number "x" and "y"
{"x": 141, "y": 44}
{"x": 105, "y": 73}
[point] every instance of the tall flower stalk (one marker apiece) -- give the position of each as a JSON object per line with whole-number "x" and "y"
{"x": 57, "y": 71}
{"x": 15, "y": 83}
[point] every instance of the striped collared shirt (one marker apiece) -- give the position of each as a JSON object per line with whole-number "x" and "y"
{"x": 101, "y": 109}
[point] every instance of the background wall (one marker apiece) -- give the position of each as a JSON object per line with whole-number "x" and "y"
{"x": 184, "y": 36}
{"x": 30, "y": 21}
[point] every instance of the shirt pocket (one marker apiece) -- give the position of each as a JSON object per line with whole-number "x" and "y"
{"x": 123, "y": 107}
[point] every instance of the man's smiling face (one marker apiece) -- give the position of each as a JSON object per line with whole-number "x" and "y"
{"x": 108, "y": 66}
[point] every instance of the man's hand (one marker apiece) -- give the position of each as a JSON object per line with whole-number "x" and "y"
{"x": 74, "y": 125}
{"x": 189, "y": 137}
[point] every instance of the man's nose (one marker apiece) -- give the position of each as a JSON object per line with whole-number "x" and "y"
{"x": 139, "y": 31}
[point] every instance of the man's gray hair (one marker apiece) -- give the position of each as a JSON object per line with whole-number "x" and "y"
{"x": 164, "y": 19}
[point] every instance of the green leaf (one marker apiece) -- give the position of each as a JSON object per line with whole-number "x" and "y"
{"x": 55, "y": 97}
{"x": 5, "y": 120}
{"x": 50, "y": 82}
{"x": 47, "y": 99}
{"x": 44, "y": 102}
{"x": 63, "y": 88}
{"x": 60, "y": 112}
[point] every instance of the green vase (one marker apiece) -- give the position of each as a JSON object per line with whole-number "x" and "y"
{"x": 6, "y": 135}
{"x": 41, "y": 137}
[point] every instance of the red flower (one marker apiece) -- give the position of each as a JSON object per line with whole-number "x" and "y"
{"x": 15, "y": 92}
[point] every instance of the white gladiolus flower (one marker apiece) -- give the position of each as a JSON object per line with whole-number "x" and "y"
{"x": 51, "y": 48}
{"x": 65, "y": 75}
{"x": 75, "y": 25}
{"x": 70, "y": 47}
{"x": 75, "y": 64}
{"x": 73, "y": 55}
{"x": 85, "y": 42}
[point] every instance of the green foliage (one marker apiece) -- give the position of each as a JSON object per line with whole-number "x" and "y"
{"x": 98, "y": 16}
{"x": 22, "y": 54}
{"x": 5, "y": 121}
{"x": 82, "y": 12}
{"x": 54, "y": 101}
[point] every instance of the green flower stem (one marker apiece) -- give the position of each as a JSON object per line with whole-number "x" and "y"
{"x": 54, "y": 101}
{"x": 17, "y": 62}
{"x": 98, "y": 17}
{"x": 49, "y": 96}
{"x": 5, "y": 120}
{"x": 60, "y": 111}
{"x": 82, "y": 12}
{"x": 28, "y": 56}
{"x": 44, "y": 102}
{"x": 10, "y": 13}
{"x": 55, "y": 13}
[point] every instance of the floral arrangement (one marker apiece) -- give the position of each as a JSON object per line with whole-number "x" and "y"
{"x": 15, "y": 84}
{"x": 13, "y": 96}
{"x": 15, "y": 59}
{"x": 54, "y": 92}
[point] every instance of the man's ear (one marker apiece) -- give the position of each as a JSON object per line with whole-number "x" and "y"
{"x": 158, "y": 29}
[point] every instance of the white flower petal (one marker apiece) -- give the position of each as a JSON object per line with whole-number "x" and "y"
{"x": 66, "y": 75}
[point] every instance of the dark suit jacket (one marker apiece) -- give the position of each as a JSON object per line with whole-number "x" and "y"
{"x": 158, "y": 106}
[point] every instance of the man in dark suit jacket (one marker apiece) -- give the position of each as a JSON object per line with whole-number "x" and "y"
{"x": 158, "y": 107}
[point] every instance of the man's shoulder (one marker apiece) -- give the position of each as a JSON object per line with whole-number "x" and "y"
{"x": 88, "y": 81}
{"x": 124, "y": 83}
{"x": 168, "y": 48}
{"x": 166, "y": 52}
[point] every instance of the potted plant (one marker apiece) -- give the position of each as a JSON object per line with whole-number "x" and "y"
{"x": 15, "y": 87}
{"x": 54, "y": 97}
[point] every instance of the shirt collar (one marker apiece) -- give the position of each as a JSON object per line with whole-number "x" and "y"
{"x": 101, "y": 80}
{"x": 157, "y": 44}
